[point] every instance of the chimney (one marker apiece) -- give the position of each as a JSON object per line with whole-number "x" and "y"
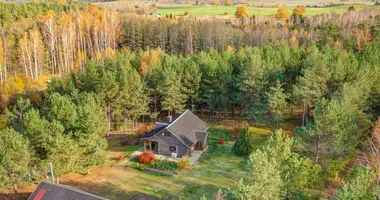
{"x": 170, "y": 118}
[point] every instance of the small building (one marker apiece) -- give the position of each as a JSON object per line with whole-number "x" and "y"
{"x": 51, "y": 191}
{"x": 178, "y": 138}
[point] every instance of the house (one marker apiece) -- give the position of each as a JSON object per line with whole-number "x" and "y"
{"x": 178, "y": 138}
{"x": 51, "y": 191}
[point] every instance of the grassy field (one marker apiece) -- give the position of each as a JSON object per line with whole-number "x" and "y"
{"x": 207, "y": 10}
{"x": 217, "y": 169}
{"x": 118, "y": 180}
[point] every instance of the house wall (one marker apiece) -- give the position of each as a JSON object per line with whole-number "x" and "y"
{"x": 165, "y": 141}
{"x": 205, "y": 142}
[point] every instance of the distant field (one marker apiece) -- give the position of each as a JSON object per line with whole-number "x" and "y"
{"x": 208, "y": 10}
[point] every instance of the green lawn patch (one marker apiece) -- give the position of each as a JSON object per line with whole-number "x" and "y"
{"x": 129, "y": 149}
{"x": 208, "y": 10}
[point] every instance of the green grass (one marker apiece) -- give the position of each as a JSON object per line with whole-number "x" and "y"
{"x": 218, "y": 168}
{"x": 129, "y": 149}
{"x": 218, "y": 163}
{"x": 207, "y": 10}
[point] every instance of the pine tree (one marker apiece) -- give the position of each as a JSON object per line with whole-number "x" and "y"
{"x": 313, "y": 84}
{"x": 243, "y": 144}
{"x": 276, "y": 104}
{"x": 15, "y": 159}
{"x": 173, "y": 98}
{"x": 191, "y": 82}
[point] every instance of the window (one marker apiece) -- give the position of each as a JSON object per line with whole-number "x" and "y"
{"x": 166, "y": 134}
{"x": 173, "y": 149}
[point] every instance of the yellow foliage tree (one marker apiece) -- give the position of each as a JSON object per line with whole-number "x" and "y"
{"x": 215, "y": 2}
{"x": 241, "y": 12}
{"x": 229, "y": 48}
{"x": 282, "y": 14}
{"x": 299, "y": 10}
{"x": 228, "y": 3}
{"x": 148, "y": 59}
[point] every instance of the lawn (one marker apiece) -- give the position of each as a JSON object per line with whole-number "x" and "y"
{"x": 208, "y": 10}
{"x": 217, "y": 169}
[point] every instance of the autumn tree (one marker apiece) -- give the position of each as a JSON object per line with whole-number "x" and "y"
{"x": 215, "y": 2}
{"x": 228, "y": 3}
{"x": 241, "y": 13}
{"x": 299, "y": 10}
{"x": 282, "y": 14}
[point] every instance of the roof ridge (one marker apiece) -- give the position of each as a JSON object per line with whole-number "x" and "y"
{"x": 177, "y": 118}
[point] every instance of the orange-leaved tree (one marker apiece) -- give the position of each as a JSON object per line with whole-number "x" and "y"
{"x": 299, "y": 10}
{"x": 215, "y": 2}
{"x": 241, "y": 12}
{"x": 282, "y": 14}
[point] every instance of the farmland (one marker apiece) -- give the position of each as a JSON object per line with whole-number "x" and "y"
{"x": 221, "y": 10}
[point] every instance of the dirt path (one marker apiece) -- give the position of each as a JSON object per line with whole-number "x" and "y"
{"x": 360, "y": 159}
{"x": 332, "y": 188}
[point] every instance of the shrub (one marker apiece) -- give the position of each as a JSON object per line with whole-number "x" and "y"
{"x": 184, "y": 163}
{"x": 236, "y": 130}
{"x": 146, "y": 157}
{"x": 186, "y": 13}
{"x": 164, "y": 165}
{"x": 140, "y": 167}
{"x": 243, "y": 144}
{"x": 220, "y": 141}
{"x": 121, "y": 157}
{"x": 226, "y": 13}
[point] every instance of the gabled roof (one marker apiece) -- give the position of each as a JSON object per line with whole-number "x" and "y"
{"x": 51, "y": 191}
{"x": 184, "y": 128}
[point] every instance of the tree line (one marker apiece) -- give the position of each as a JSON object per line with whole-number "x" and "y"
{"x": 57, "y": 37}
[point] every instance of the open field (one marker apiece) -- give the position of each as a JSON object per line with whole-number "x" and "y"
{"x": 220, "y": 10}
{"x": 269, "y": 8}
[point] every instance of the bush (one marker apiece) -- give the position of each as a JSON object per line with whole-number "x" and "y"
{"x": 140, "y": 167}
{"x": 236, "y": 130}
{"x": 121, "y": 157}
{"x": 243, "y": 144}
{"x": 146, "y": 157}
{"x": 220, "y": 141}
{"x": 184, "y": 163}
{"x": 186, "y": 13}
{"x": 226, "y": 13}
{"x": 164, "y": 165}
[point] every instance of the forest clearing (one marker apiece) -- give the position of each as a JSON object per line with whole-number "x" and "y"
{"x": 119, "y": 180}
{"x": 286, "y": 104}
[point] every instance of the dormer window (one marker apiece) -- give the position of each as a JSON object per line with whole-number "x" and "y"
{"x": 166, "y": 134}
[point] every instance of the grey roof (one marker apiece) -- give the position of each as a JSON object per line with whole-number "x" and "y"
{"x": 185, "y": 127}
{"x": 200, "y": 135}
{"x": 51, "y": 191}
{"x": 154, "y": 131}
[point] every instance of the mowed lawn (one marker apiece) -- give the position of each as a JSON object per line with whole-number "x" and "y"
{"x": 217, "y": 169}
{"x": 208, "y": 10}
